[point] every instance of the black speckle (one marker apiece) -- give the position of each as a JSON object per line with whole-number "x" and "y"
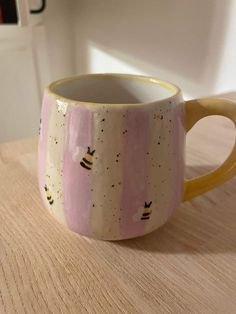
{"x": 102, "y": 130}
{"x": 93, "y": 205}
{"x": 123, "y": 115}
{"x": 125, "y": 131}
{"x": 104, "y": 195}
{"x": 113, "y": 185}
{"x": 107, "y": 168}
{"x": 147, "y": 153}
{"x": 118, "y": 155}
{"x": 170, "y": 120}
{"x": 103, "y": 120}
{"x": 161, "y": 117}
{"x": 159, "y": 143}
{"x": 170, "y": 102}
{"x": 159, "y": 166}
{"x": 117, "y": 160}
{"x": 64, "y": 115}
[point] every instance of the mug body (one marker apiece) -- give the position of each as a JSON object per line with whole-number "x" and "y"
{"x": 111, "y": 153}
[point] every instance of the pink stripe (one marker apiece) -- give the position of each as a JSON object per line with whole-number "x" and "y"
{"x": 177, "y": 159}
{"x": 48, "y": 102}
{"x": 135, "y": 172}
{"x": 77, "y": 181}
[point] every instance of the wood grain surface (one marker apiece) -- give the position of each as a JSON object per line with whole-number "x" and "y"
{"x": 187, "y": 266}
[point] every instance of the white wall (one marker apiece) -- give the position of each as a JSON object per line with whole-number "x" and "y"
{"x": 19, "y": 102}
{"x": 31, "y": 57}
{"x": 60, "y": 36}
{"x": 53, "y": 40}
{"x": 189, "y": 42}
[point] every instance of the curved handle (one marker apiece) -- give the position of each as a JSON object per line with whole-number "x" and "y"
{"x": 196, "y": 110}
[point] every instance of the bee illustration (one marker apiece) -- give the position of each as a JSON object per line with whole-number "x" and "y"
{"x": 48, "y": 195}
{"x": 87, "y": 161}
{"x": 147, "y": 211}
{"x": 143, "y": 213}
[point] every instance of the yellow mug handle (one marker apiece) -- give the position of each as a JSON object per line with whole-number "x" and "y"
{"x": 196, "y": 110}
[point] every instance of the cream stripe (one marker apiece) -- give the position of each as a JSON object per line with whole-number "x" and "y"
{"x": 107, "y": 172}
{"x": 159, "y": 160}
{"x": 55, "y": 160}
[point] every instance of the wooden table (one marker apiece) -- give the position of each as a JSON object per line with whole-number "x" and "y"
{"x": 187, "y": 266}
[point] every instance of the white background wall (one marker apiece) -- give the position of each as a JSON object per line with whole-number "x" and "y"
{"x": 30, "y": 57}
{"x": 189, "y": 42}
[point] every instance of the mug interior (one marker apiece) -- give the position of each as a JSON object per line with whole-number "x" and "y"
{"x": 113, "y": 89}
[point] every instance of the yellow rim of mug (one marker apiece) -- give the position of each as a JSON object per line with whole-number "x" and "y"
{"x": 165, "y": 84}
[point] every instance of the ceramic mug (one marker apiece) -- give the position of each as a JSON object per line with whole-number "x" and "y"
{"x": 111, "y": 153}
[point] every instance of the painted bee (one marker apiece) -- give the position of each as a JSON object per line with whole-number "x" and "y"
{"x": 48, "y": 195}
{"x": 87, "y": 161}
{"x": 143, "y": 213}
{"x": 147, "y": 211}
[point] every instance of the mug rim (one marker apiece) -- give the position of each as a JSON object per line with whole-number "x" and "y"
{"x": 163, "y": 83}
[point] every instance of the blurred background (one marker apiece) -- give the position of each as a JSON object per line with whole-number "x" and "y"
{"x": 189, "y": 42}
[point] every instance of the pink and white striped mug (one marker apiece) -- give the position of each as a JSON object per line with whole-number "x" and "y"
{"x": 111, "y": 153}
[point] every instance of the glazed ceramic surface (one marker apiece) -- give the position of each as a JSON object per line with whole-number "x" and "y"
{"x": 108, "y": 170}
{"x": 111, "y": 153}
